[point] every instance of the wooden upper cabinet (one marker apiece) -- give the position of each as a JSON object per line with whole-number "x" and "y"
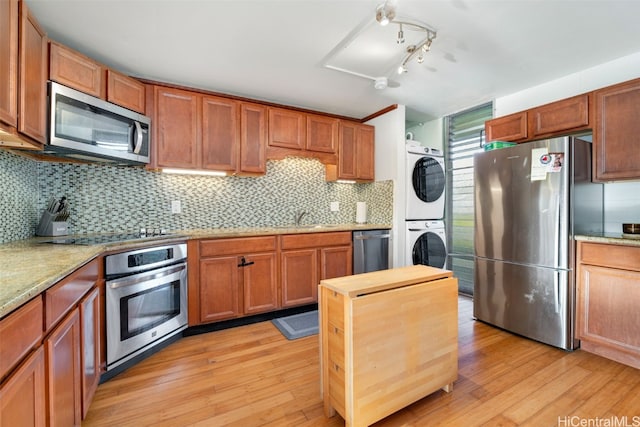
{"x": 569, "y": 114}
{"x": 507, "y": 128}
{"x": 9, "y": 62}
{"x": 356, "y": 153}
{"x": 32, "y": 101}
{"x": 125, "y": 91}
{"x": 347, "y": 152}
{"x": 366, "y": 153}
{"x": 322, "y": 133}
{"x": 73, "y": 69}
{"x": 615, "y": 137}
{"x": 220, "y": 134}
{"x": 253, "y": 139}
{"x": 287, "y": 128}
{"x": 175, "y": 128}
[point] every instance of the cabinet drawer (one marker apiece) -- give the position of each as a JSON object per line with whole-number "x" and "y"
{"x": 237, "y": 246}
{"x": 335, "y": 308}
{"x": 337, "y": 389}
{"x": 336, "y": 345}
{"x": 615, "y": 256}
{"x": 315, "y": 240}
{"x": 63, "y": 296}
{"x": 19, "y": 333}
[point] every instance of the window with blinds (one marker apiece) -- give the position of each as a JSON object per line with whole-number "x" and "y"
{"x": 464, "y": 134}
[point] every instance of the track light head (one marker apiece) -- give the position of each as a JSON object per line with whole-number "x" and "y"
{"x": 385, "y": 14}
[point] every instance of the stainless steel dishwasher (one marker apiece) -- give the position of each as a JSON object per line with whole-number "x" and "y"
{"x": 370, "y": 250}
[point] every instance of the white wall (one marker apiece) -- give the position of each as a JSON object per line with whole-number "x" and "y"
{"x": 619, "y": 70}
{"x": 430, "y": 134}
{"x": 621, "y": 199}
{"x": 390, "y": 159}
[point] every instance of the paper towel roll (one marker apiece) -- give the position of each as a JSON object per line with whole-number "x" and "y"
{"x": 361, "y": 212}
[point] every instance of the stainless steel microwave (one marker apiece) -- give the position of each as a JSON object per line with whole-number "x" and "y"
{"x": 87, "y": 128}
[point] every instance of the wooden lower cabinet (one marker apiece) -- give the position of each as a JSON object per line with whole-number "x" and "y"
{"x": 235, "y": 277}
{"x": 64, "y": 372}
{"x": 308, "y": 258}
{"x": 608, "y": 294}
{"x": 91, "y": 331}
{"x": 299, "y": 277}
{"x": 387, "y": 339}
{"x": 22, "y": 395}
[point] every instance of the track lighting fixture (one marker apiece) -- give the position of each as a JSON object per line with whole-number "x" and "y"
{"x": 386, "y": 14}
{"x": 400, "y": 35}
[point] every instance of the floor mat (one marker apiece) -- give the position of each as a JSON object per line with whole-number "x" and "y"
{"x": 298, "y": 325}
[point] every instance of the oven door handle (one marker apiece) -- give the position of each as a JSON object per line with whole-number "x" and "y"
{"x": 146, "y": 276}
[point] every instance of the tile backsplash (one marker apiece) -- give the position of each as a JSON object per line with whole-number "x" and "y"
{"x": 18, "y": 197}
{"x": 112, "y": 199}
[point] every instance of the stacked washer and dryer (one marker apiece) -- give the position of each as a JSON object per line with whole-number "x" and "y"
{"x": 425, "y": 238}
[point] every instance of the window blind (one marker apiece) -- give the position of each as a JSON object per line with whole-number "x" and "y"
{"x": 465, "y": 134}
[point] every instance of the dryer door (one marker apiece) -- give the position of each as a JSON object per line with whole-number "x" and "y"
{"x": 428, "y": 179}
{"x": 429, "y": 250}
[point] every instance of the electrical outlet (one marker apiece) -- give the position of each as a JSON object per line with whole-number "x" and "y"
{"x": 176, "y": 207}
{"x": 335, "y": 206}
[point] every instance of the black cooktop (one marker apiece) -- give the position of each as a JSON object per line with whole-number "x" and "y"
{"x": 99, "y": 239}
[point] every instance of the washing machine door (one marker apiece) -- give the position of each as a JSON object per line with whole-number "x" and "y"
{"x": 430, "y": 250}
{"x": 428, "y": 179}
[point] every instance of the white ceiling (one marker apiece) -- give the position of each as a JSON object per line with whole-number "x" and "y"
{"x": 276, "y": 50}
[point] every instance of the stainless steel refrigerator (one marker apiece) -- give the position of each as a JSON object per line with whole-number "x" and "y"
{"x": 530, "y": 200}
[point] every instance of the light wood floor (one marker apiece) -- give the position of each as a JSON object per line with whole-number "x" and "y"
{"x": 252, "y": 376}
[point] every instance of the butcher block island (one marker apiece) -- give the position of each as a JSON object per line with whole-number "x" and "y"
{"x": 387, "y": 339}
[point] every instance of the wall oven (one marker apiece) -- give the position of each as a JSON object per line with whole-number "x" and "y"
{"x": 146, "y": 299}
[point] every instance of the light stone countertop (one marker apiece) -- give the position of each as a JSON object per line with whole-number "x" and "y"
{"x": 610, "y": 238}
{"x": 29, "y": 267}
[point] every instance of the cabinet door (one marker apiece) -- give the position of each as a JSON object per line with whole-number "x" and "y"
{"x": 260, "y": 283}
{"x": 253, "y": 138}
{"x": 322, "y": 133}
{"x": 365, "y": 153}
{"x": 219, "y": 288}
{"x": 90, "y": 321}
{"x": 347, "y": 151}
{"x": 176, "y": 125}
{"x": 32, "y": 102}
{"x": 9, "y": 62}
{"x": 220, "y": 137}
{"x": 616, "y": 154}
{"x": 336, "y": 262}
{"x": 508, "y": 128}
{"x": 566, "y": 115}
{"x": 64, "y": 372}
{"x": 72, "y": 69}
{"x": 287, "y": 128}
{"x": 125, "y": 91}
{"x": 22, "y": 395}
{"x": 608, "y": 315}
{"x": 299, "y": 277}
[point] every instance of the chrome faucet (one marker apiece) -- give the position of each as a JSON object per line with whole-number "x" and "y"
{"x": 299, "y": 216}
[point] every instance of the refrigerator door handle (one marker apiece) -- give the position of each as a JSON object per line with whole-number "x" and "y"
{"x": 557, "y": 242}
{"x": 556, "y": 291}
